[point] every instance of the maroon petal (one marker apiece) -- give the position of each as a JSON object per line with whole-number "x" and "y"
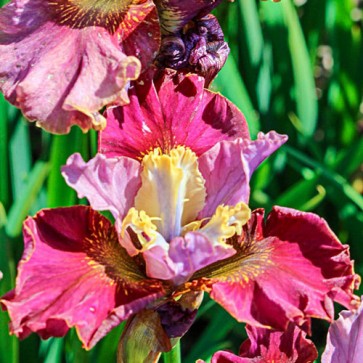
{"x": 140, "y": 33}
{"x": 61, "y": 70}
{"x": 290, "y": 269}
{"x": 287, "y": 346}
{"x": 268, "y": 346}
{"x": 74, "y": 273}
{"x": 177, "y": 110}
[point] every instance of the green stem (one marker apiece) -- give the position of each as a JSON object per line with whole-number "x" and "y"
{"x": 174, "y": 356}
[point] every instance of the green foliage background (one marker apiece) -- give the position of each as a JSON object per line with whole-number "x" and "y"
{"x": 296, "y": 68}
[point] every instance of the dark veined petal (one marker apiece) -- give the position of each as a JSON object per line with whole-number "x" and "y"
{"x": 75, "y": 273}
{"x": 175, "y": 110}
{"x": 63, "y": 61}
{"x": 289, "y": 269}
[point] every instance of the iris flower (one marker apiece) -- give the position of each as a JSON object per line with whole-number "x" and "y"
{"x": 62, "y": 61}
{"x": 182, "y": 227}
{"x": 268, "y": 346}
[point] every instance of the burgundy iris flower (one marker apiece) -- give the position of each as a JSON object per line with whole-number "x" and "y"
{"x": 182, "y": 227}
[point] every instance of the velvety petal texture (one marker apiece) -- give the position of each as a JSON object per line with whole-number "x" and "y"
{"x": 268, "y": 346}
{"x": 289, "y": 269}
{"x": 74, "y": 273}
{"x": 108, "y": 183}
{"x": 174, "y": 110}
{"x": 61, "y": 63}
{"x": 345, "y": 338}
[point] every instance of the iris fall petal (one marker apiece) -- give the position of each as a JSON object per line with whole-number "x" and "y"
{"x": 74, "y": 273}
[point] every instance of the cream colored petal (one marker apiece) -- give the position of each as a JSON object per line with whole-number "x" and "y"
{"x": 172, "y": 190}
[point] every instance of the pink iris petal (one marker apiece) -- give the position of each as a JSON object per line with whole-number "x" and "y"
{"x": 74, "y": 273}
{"x": 58, "y": 73}
{"x": 268, "y": 346}
{"x": 345, "y": 338}
{"x": 175, "y": 110}
{"x": 291, "y": 272}
{"x": 228, "y": 167}
{"x": 185, "y": 256}
{"x": 108, "y": 183}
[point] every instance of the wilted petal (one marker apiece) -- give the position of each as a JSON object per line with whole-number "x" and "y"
{"x": 228, "y": 166}
{"x": 176, "y": 110}
{"x": 199, "y": 49}
{"x": 92, "y": 71}
{"x": 108, "y": 183}
{"x": 268, "y": 346}
{"x": 176, "y": 317}
{"x": 290, "y": 269}
{"x": 74, "y": 273}
{"x": 345, "y": 338}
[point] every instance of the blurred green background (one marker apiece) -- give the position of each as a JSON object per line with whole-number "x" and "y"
{"x": 295, "y": 67}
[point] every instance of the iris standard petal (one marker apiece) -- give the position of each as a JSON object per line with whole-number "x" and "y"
{"x": 173, "y": 110}
{"x": 108, "y": 183}
{"x": 228, "y": 167}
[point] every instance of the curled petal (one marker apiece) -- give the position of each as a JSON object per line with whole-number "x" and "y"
{"x": 294, "y": 271}
{"x": 228, "y": 167}
{"x": 92, "y": 71}
{"x": 175, "y": 110}
{"x": 345, "y": 338}
{"x": 74, "y": 273}
{"x": 185, "y": 256}
{"x": 108, "y": 183}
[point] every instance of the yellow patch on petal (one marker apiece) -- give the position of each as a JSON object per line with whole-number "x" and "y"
{"x": 226, "y": 222}
{"x": 142, "y": 225}
{"x": 172, "y": 189}
{"x": 82, "y": 13}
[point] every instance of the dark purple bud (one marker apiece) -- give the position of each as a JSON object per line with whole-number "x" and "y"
{"x": 199, "y": 48}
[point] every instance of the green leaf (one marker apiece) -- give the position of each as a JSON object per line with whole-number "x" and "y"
{"x": 26, "y": 198}
{"x": 59, "y": 193}
{"x": 231, "y": 85}
{"x": 306, "y": 101}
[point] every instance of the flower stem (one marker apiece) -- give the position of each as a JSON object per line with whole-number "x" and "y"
{"x": 174, "y": 355}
